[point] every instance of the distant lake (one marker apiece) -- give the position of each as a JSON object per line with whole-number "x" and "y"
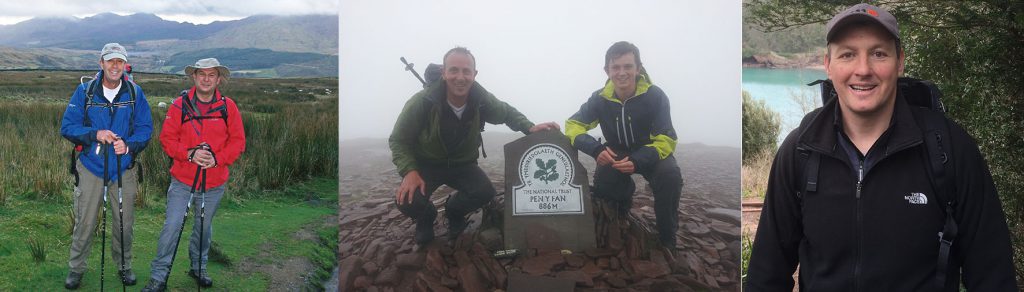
{"x": 777, "y": 87}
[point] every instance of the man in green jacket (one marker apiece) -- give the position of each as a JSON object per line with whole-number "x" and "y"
{"x": 435, "y": 143}
{"x": 639, "y": 139}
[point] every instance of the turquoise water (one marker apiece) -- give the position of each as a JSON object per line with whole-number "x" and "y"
{"x": 780, "y": 89}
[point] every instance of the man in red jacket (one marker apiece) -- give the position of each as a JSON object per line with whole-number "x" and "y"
{"x": 202, "y": 130}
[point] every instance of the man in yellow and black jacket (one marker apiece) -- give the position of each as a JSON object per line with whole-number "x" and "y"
{"x": 634, "y": 117}
{"x": 435, "y": 143}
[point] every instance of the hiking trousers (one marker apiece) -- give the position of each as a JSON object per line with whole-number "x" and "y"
{"x": 666, "y": 181}
{"x": 474, "y": 190}
{"x": 177, "y": 199}
{"x": 88, "y": 205}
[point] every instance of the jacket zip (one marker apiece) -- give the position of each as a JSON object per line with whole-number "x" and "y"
{"x": 113, "y": 114}
{"x": 624, "y": 125}
{"x": 110, "y": 124}
{"x": 632, "y": 134}
{"x": 628, "y": 134}
{"x": 440, "y": 136}
{"x": 860, "y": 224}
{"x": 859, "y": 187}
{"x": 860, "y": 216}
{"x": 617, "y": 132}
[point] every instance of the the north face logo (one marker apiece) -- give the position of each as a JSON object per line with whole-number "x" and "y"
{"x": 916, "y": 198}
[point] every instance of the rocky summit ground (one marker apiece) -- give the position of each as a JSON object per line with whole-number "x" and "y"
{"x": 377, "y": 252}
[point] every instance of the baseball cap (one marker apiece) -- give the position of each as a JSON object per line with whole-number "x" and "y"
{"x": 114, "y": 50}
{"x": 862, "y": 11}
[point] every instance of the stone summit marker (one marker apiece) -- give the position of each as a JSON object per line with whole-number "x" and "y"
{"x": 547, "y": 195}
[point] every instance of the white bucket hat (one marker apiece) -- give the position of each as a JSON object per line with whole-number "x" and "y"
{"x": 208, "y": 63}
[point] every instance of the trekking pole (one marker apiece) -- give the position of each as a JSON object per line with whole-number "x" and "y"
{"x": 103, "y": 231}
{"x": 120, "y": 214}
{"x": 202, "y": 220}
{"x": 188, "y": 204}
{"x": 408, "y": 67}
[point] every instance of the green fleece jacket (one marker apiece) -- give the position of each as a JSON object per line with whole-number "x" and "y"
{"x": 416, "y": 139}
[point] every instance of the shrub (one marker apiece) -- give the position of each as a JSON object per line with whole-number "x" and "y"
{"x": 760, "y": 127}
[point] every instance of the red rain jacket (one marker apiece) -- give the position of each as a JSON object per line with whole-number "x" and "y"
{"x": 226, "y": 138}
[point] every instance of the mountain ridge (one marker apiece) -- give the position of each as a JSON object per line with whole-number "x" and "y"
{"x": 64, "y": 42}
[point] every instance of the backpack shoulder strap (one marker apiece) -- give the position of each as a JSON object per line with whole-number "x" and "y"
{"x": 77, "y": 148}
{"x": 131, "y": 89}
{"x": 807, "y": 171}
{"x": 89, "y": 90}
{"x": 185, "y": 105}
{"x": 480, "y": 118}
{"x": 224, "y": 109}
{"x": 809, "y": 161}
{"x": 931, "y": 119}
{"x": 938, "y": 149}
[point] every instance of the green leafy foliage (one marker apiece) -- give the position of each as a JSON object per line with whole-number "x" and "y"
{"x": 786, "y": 43}
{"x": 745, "y": 250}
{"x": 760, "y": 127}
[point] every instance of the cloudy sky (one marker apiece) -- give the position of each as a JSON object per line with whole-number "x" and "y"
{"x": 544, "y": 57}
{"x": 195, "y": 11}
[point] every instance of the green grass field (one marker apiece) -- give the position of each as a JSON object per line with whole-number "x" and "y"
{"x": 258, "y": 232}
{"x": 281, "y": 192}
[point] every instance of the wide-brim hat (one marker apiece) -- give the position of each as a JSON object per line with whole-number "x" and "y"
{"x": 208, "y": 63}
{"x": 862, "y": 12}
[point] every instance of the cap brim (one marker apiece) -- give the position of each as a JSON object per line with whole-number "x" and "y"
{"x": 223, "y": 71}
{"x": 109, "y": 56}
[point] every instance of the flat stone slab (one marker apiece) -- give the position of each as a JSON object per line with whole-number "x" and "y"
{"x": 525, "y": 283}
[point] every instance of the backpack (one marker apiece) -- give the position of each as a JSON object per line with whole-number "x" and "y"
{"x": 90, "y": 87}
{"x": 189, "y": 110}
{"x": 432, "y": 73}
{"x": 936, "y": 132}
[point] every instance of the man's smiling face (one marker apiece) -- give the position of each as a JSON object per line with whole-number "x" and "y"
{"x": 864, "y": 64}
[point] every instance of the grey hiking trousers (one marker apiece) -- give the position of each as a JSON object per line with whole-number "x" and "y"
{"x": 177, "y": 199}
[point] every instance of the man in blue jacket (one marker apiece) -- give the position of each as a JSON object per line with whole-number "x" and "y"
{"x": 634, "y": 117}
{"x": 107, "y": 114}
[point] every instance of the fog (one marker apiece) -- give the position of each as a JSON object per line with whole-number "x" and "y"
{"x": 194, "y": 11}
{"x": 544, "y": 57}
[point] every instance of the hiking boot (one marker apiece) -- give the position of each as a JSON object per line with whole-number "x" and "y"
{"x": 424, "y": 232}
{"x": 127, "y": 277}
{"x": 155, "y": 286}
{"x": 202, "y": 278}
{"x": 455, "y": 227}
{"x": 73, "y": 281}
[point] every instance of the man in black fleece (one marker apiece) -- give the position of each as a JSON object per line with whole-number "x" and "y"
{"x": 871, "y": 220}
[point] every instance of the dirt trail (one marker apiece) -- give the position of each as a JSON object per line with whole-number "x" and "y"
{"x": 287, "y": 274}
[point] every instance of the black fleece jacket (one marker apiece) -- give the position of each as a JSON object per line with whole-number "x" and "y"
{"x": 884, "y": 238}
